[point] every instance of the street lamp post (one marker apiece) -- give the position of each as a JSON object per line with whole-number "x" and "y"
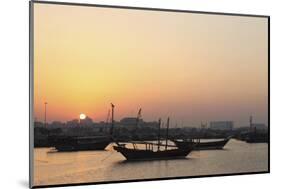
{"x": 112, "y": 119}
{"x": 45, "y": 119}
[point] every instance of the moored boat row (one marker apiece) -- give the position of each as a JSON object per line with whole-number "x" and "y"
{"x": 137, "y": 150}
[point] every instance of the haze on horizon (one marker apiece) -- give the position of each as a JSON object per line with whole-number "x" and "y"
{"x": 191, "y": 67}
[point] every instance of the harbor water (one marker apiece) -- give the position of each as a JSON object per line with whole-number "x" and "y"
{"x": 51, "y": 167}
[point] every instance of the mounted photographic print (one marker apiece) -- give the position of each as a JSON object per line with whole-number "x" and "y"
{"x": 121, "y": 94}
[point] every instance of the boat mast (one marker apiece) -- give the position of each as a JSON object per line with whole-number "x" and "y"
{"x": 167, "y": 133}
{"x": 159, "y": 127}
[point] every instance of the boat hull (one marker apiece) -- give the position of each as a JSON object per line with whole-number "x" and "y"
{"x": 83, "y": 147}
{"x": 214, "y": 145}
{"x": 135, "y": 154}
{"x": 257, "y": 140}
{"x": 68, "y": 144}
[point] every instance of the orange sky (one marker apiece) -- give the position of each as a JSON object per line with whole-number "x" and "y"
{"x": 191, "y": 67}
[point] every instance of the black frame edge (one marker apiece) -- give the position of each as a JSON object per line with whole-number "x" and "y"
{"x": 152, "y": 179}
{"x": 268, "y": 71}
{"x": 147, "y": 8}
{"x": 31, "y": 131}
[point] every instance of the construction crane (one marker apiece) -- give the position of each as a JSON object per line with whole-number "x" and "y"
{"x": 138, "y": 117}
{"x": 251, "y": 122}
{"x": 203, "y": 126}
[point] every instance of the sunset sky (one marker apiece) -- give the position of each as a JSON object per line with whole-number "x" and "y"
{"x": 191, "y": 67}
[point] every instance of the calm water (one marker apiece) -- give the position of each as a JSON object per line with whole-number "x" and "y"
{"x": 94, "y": 166}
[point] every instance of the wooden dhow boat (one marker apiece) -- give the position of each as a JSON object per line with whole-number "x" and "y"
{"x": 152, "y": 151}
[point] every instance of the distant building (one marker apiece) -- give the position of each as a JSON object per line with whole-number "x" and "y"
{"x": 151, "y": 124}
{"x": 130, "y": 121}
{"x": 259, "y": 126}
{"x": 86, "y": 122}
{"x": 38, "y": 124}
{"x": 56, "y": 124}
{"x": 221, "y": 125}
{"x": 73, "y": 123}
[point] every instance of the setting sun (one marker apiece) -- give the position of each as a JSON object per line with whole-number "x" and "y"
{"x": 82, "y": 116}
